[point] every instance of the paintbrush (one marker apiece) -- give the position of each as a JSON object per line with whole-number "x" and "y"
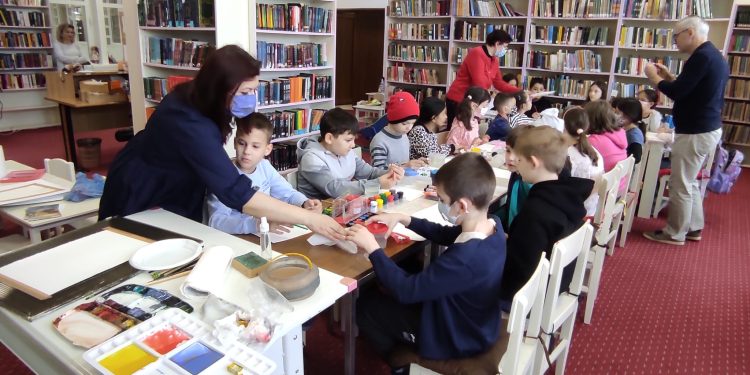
{"x": 172, "y": 277}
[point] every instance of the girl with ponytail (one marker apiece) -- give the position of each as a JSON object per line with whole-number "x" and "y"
{"x": 464, "y": 133}
{"x": 585, "y": 160}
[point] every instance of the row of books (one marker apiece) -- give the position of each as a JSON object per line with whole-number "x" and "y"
{"x": 283, "y": 157}
{"x": 303, "y": 87}
{"x": 566, "y": 61}
{"x": 477, "y": 32}
{"x": 294, "y": 121}
{"x": 293, "y": 17}
{"x": 419, "y": 31}
{"x": 25, "y": 3}
{"x": 625, "y": 90}
{"x": 156, "y": 88}
{"x": 667, "y": 9}
{"x": 484, "y": 8}
{"x": 737, "y": 134}
{"x": 24, "y": 39}
{"x": 419, "y": 93}
{"x": 398, "y": 51}
{"x": 571, "y": 35}
{"x": 635, "y": 65}
{"x": 178, "y": 52}
{"x": 411, "y": 8}
{"x": 407, "y": 74}
{"x": 576, "y": 8}
{"x": 736, "y": 111}
{"x": 742, "y": 19}
{"x": 176, "y": 13}
{"x": 279, "y": 55}
{"x": 646, "y": 37}
{"x": 32, "y": 18}
{"x": 566, "y": 86}
{"x": 25, "y": 60}
{"x": 738, "y": 88}
{"x": 739, "y": 43}
{"x": 739, "y": 65}
{"x": 12, "y": 81}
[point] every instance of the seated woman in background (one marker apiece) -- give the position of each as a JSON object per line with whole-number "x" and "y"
{"x": 65, "y": 49}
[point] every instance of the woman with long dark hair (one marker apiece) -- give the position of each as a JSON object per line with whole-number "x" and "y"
{"x": 179, "y": 156}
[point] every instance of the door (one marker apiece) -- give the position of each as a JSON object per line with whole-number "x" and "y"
{"x": 359, "y": 53}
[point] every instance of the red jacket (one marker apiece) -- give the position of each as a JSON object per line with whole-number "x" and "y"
{"x": 478, "y": 69}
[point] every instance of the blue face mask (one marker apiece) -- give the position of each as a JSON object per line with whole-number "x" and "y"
{"x": 244, "y": 104}
{"x": 501, "y": 52}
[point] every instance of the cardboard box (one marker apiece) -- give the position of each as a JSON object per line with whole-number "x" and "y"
{"x": 93, "y": 86}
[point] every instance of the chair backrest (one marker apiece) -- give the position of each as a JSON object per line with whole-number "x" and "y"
{"x": 442, "y": 137}
{"x": 528, "y": 300}
{"x": 607, "y": 186}
{"x": 292, "y": 178}
{"x": 574, "y": 247}
{"x": 627, "y": 166}
{"x": 60, "y": 168}
{"x": 637, "y": 179}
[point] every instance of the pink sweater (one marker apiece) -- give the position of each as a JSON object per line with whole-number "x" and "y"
{"x": 460, "y": 137}
{"x": 612, "y": 146}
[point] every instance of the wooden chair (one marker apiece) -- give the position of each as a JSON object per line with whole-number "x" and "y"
{"x": 606, "y": 232}
{"x": 560, "y": 305}
{"x": 60, "y": 168}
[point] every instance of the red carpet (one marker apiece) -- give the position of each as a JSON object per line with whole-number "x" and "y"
{"x": 661, "y": 309}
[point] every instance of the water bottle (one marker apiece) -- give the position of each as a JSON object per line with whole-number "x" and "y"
{"x": 670, "y": 121}
{"x": 265, "y": 239}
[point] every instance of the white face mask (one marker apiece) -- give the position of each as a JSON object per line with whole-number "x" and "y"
{"x": 484, "y": 110}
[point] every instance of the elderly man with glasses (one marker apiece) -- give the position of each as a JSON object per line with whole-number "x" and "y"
{"x": 698, "y": 98}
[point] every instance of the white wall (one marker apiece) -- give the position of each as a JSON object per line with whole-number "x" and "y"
{"x": 359, "y": 4}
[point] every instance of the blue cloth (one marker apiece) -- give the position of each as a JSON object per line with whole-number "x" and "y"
{"x": 171, "y": 163}
{"x": 265, "y": 180}
{"x": 498, "y": 128}
{"x": 634, "y": 135}
{"x": 85, "y": 188}
{"x": 459, "y": 291}
{"x": 518, "y": 194}
{"x": 698, "y": 92}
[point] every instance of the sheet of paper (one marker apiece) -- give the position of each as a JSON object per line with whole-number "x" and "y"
{"x": 294, "y": 232}
{"x": 501, "y": 173}
{"x": 401, "y": 229}
{"x": 58, "y": 268}
{"x": 23, "y": 192}
{"x": 410, "y": 193}
{"x": 432, "y": 214}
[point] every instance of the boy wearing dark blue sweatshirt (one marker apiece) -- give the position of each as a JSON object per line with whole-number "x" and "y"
{"x": 499, "y": 127}
{"x": 451, "y": 309}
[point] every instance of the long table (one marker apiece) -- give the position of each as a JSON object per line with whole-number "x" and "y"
{"x": 46, "y": 352}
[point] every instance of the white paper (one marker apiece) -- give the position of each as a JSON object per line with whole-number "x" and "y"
{"x": 58, "y": 268}
{"x": 432, "y": 214}
{"x": 501, "y": 173}
{"x": 320, "y": 240}
{"x": 294, "y": 231}
{"x": 23, "y": 192}
{"x": 401, "y": 229}
{"x": 410, "y": 194}
{"x": 209, "y": 272}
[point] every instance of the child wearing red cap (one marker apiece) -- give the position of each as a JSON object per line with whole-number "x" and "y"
{"x": 391, "y": 145}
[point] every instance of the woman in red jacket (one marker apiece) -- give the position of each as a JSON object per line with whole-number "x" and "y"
{"x": 481, "y": 67}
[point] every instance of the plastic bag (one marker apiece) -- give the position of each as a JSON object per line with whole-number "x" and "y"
{"x": 550, "y": 117}
{"x": 85, "y": 188}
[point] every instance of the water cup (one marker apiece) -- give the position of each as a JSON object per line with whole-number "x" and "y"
{"x": 379, "y": 230}
{"x": 436, "y": 159}
{"x": 372, "y": 187}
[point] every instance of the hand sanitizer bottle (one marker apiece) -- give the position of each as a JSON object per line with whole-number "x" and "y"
{"x": 265, "y": 239}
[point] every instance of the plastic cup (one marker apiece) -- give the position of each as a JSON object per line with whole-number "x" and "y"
{"x": 372, "y": 187}
{"x": 436, "y": 160}
{"x": 379, "y": 230}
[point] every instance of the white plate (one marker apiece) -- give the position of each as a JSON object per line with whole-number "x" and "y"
{"x": 165, "y": 254}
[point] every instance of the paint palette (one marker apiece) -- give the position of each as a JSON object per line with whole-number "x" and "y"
{"x": 174, "y": 342}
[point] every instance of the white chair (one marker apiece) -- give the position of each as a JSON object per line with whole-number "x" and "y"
{"x": 524, "y": 337}
{"x": 703, "y": 176}
{"x": 627, "y": 167}
{"x": 292, "y": 178}
{"x": 606, "y": 233}
{"x": 60, "y": 168}
{"x": 560, "y": 308}
{"x": 631, "y": 199}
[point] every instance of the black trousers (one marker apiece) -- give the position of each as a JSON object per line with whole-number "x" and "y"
{"x": 451, "y": 109}
{"x": 385, "y": 323}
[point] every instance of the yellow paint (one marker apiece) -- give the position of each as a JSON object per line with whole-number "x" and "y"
{"x": 127, "y": 360}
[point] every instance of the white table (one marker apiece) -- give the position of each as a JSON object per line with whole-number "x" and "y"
{"x": 368, "y": 111}
{"x": 70, "y": 211}
{"x": 653, "y": 152}
{"x": 47, "y": 352}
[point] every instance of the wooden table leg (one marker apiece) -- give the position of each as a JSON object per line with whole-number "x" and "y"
{"x": 68, "y": 135}
{"x": 348, "y": 316}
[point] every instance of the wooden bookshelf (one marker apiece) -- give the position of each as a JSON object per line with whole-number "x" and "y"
{"x": 24, "y": 106}
{"x": 736, "y": 128}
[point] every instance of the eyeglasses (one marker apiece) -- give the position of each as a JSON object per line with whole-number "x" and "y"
{"x": 674, "y": 37}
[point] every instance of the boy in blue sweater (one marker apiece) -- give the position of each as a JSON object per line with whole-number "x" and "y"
{"x": 500, "y": 126}
{"x": 252, "y": 144}
{"x": 451, "y": 309}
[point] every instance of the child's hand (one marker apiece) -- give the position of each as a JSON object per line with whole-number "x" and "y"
{"x": 313, "y": 205}
{"x": 396, "y": 169}
{"x": 391, "y": 220}
{"x": 389, "y": 179}
{"x": 536, "y": 115}
{"x": 416, "y": 163}
{"x": 363, "y": 238}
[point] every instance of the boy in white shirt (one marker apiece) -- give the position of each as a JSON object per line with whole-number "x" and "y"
{"x": 252, "y": 144}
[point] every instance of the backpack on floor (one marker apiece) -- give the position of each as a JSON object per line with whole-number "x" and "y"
{"x": 726, "y": 170}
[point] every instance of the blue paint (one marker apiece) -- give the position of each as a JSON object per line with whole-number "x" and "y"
{"x": 196, "y": 358}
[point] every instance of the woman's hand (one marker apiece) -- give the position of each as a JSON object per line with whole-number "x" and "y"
{"x": 278, "y": 228}
{"x": 390, "y": 220}
{"x": 363, "y": 238}
{"x": 326, "y": 226}
{"x": 313, "y": 205}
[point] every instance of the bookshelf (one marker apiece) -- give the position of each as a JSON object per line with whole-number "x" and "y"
{"x": 736, "y": 111}
{"x": 614, "y": 33}
{"x": 25, "y": 55}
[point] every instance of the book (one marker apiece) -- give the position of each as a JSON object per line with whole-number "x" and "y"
{"x": 47, "y": 211}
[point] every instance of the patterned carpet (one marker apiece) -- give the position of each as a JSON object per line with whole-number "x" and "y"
{"x": 661, "y": 309}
